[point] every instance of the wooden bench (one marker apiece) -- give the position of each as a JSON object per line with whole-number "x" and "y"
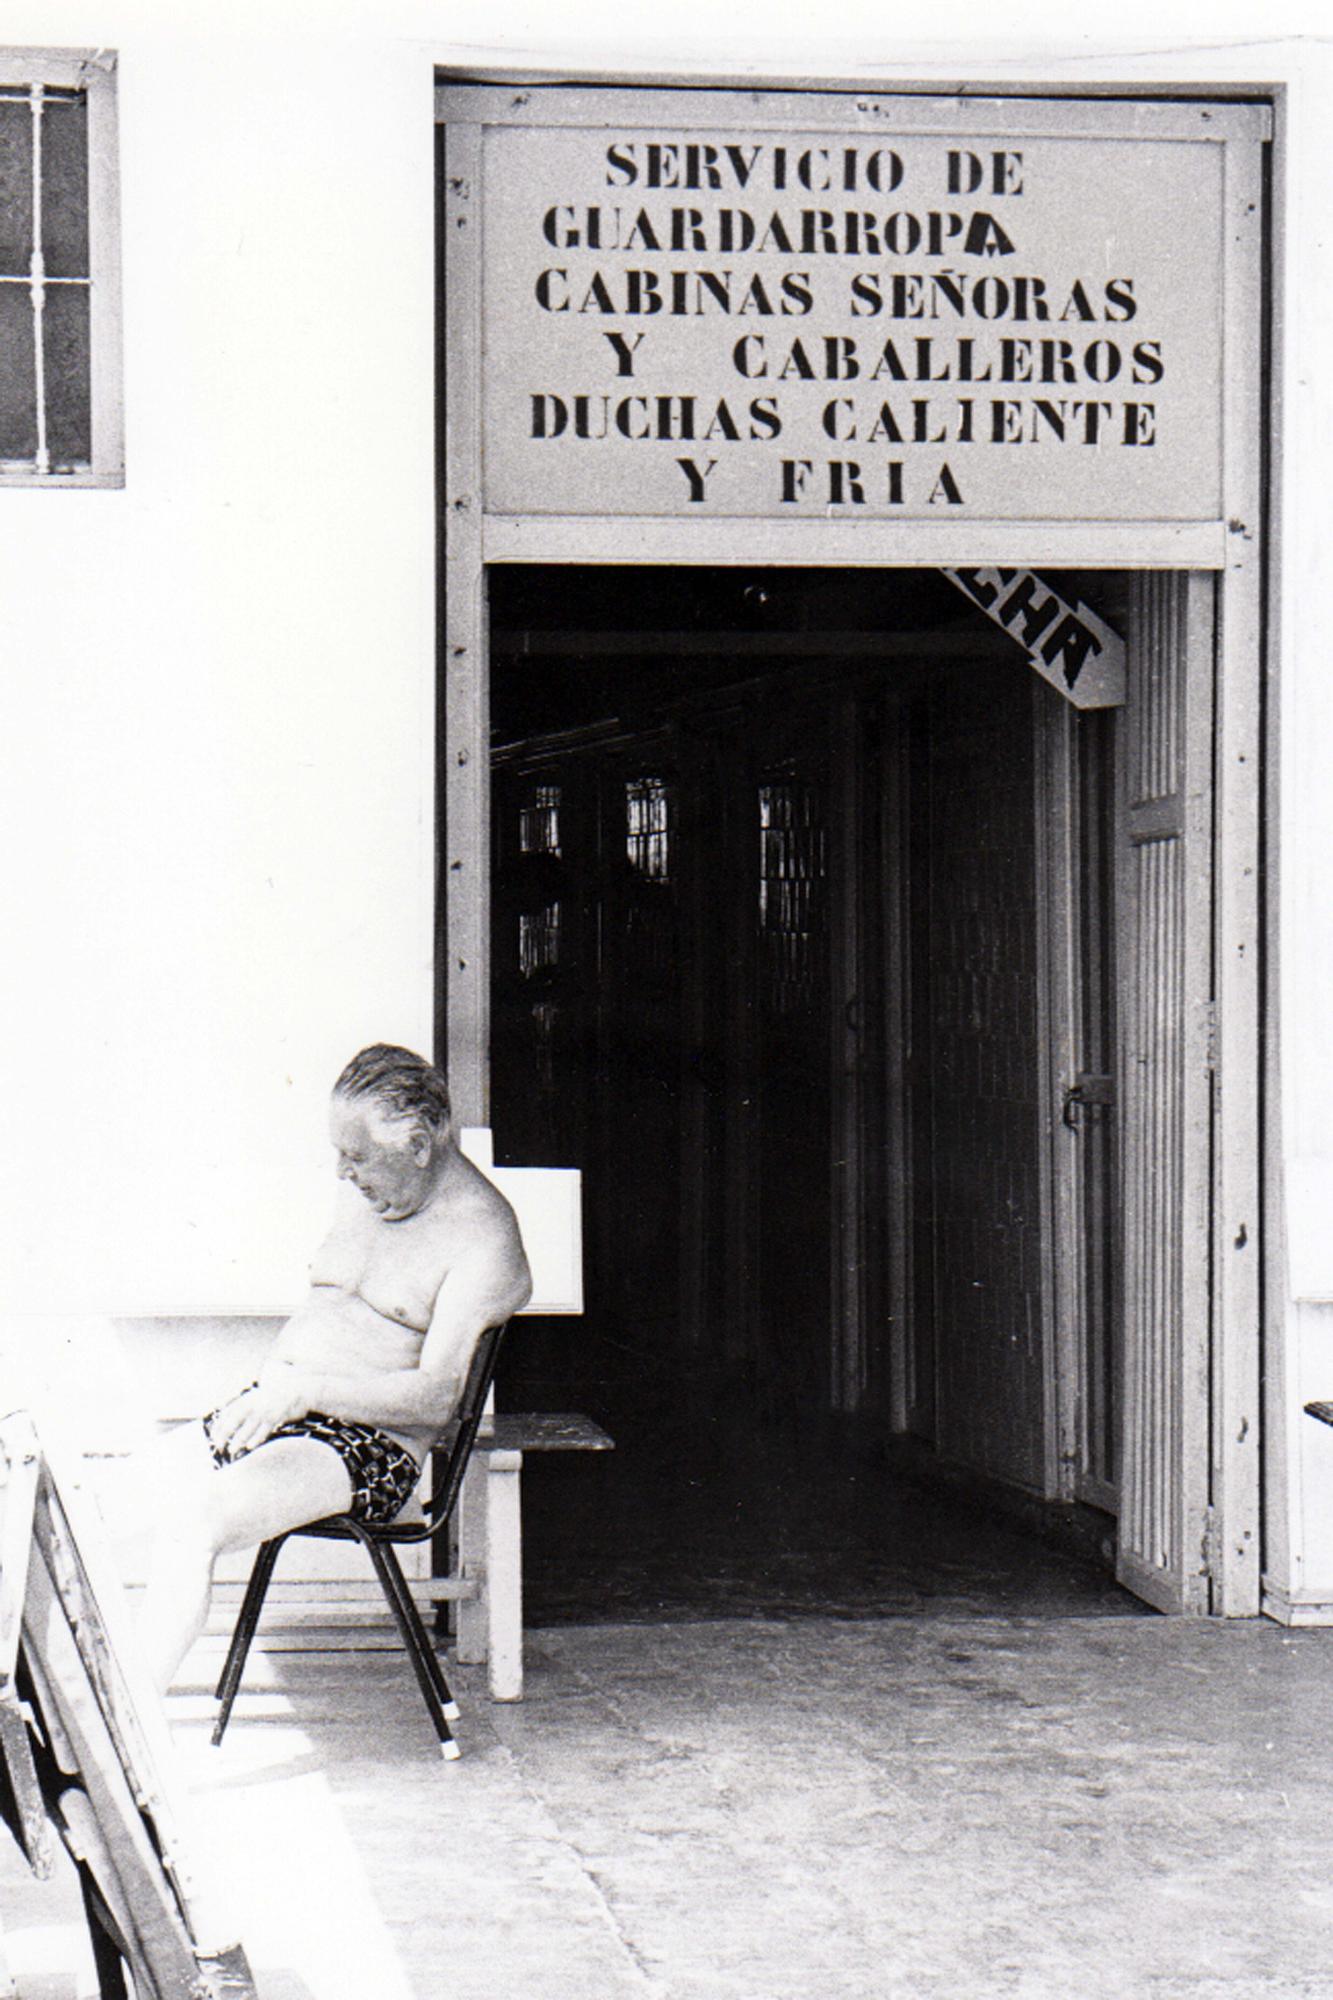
{"x": 487, "y": 1560}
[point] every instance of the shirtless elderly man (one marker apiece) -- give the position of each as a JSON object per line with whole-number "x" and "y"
{"x": 423, "y": 1256}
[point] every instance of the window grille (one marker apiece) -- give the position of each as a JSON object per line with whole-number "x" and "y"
{"x": 59, "y": 334}
{"x": 538, "y": 940}
{"x": 648, "y": 828}
{"x": 539, "y": 822}
{"x": 792, "y": 870}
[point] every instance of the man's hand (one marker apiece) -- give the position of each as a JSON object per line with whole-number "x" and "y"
{"x": 281, "y": 1394}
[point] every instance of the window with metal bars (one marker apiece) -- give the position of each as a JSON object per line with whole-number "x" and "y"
{"x": 648, "y": 828}
{"x": 60, "y": 403}
{"x": 539, "y": 822}
{"x": 538, "y": 940}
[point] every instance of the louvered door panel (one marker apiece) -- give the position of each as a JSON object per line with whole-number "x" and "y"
{"x": 1165, "y": 924}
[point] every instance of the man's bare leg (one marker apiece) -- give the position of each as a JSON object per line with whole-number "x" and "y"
{"x": 205, "y": 1511}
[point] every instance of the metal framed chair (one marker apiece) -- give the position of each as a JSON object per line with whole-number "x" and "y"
{"x": 451, "y": 1459}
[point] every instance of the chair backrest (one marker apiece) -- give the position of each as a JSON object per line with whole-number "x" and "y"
{"x": 452, "y": 1453}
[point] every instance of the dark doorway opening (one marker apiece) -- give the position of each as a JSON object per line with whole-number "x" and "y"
{"x": 765, "y": 967}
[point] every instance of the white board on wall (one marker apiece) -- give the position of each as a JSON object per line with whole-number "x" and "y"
{"x": 548, "y": 1202}
{"x": 1310, "y": 1228}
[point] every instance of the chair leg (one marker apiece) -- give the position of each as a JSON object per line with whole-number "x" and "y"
{"x": 391, "y": 1577}
{"x": 246, "y": 1624}
{"x": 430, "y": 1678}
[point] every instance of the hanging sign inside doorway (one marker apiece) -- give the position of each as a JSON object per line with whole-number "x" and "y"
{"x": 860, "y": 324}
{"x": 1067, "y": 644}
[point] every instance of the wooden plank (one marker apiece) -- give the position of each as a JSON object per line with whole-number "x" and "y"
{"x": 23, "y": 1809}
{"x": 541, "y": 1431}
{"x": 1165, "y": 922}
{"x": 344, "y": 1600}
{"x": 1057, "y": 993}
{"x": 101, "y": 1819}
{"x": 823, "y": 542}
{"x": 465, "y": 859}
{"x": 130, "y": 1715}
{"x": 103, "y": 1731}
{"x": 858, "y": 109}
{"x": 18, "y": 1497}
{"x": 105, "y": 337}
{"x": 1238, "y": 1152}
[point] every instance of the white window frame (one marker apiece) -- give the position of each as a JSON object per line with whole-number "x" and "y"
{"x": 94, "y": 72}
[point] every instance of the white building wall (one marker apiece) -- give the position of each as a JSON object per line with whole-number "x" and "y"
{"x": 1300, "y": 1451}
{"x": 217, "y": 776}
{"x": 218, "y": 772}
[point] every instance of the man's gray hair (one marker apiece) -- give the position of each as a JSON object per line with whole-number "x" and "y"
{"x": 406, "y": 1085}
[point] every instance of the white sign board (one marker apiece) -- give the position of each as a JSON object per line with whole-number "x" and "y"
{"x": 548, "y": 1202}
{"x": 743, "y": 322}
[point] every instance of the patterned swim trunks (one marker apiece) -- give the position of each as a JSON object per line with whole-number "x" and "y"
{"x": 383, "y": 1474}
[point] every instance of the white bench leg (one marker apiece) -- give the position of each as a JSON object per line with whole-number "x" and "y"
{"x": 470, "y": 1561}
{"x": 504, "y": 1576}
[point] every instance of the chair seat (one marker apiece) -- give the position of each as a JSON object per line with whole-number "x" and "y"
{"x": 346, "y": 1528}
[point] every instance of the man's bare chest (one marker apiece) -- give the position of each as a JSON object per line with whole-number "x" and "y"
{"x": 396, "y": 1267}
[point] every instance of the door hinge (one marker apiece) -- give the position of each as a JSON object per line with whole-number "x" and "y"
{"x": 1212, "y": 1543}
{"x": 1210, "y": 1056}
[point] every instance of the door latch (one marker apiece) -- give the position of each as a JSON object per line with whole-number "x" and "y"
{"x": 1087, "y": 1088}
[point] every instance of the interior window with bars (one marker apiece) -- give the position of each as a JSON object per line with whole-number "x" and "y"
{"x": 648, "y": 828}
{"x": 59, "y": 289}
{"x": 538, "y": 940}
{"x": 539, "y": 822}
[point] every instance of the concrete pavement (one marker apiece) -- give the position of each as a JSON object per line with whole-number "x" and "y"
{"x": 977, "y": 1807}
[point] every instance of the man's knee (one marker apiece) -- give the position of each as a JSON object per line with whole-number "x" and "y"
{"x": 267, "y": 1492}
{"x": 192, "y": 1522}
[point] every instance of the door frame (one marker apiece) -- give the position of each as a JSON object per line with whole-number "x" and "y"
{"x": 1058, "y": 986}
{"x": 1237, "y": 553}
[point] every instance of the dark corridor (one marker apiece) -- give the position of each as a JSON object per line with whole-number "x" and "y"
{"x": 764, "y": 967}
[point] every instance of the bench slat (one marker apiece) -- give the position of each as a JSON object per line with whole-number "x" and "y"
{"x": 541, "y": 1430}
